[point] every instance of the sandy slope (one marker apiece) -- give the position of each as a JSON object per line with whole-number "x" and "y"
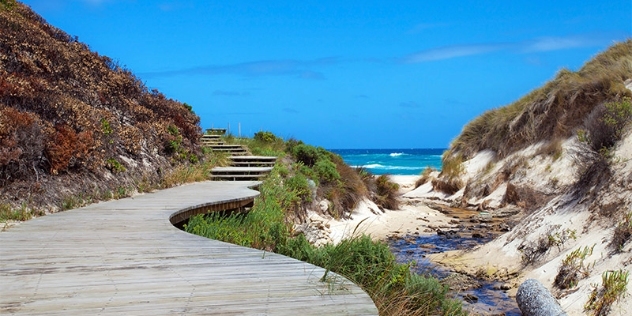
{"x": 413, "y": 217}
{"x": 581, "y": 216}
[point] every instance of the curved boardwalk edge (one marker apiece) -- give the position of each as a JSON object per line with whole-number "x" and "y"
{"x": 125, "y": 257}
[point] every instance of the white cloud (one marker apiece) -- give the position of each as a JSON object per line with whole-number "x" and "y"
{"x": 450, "y": 52}
{"x": 542, "y": 44}
{"x": 546, "y": 44}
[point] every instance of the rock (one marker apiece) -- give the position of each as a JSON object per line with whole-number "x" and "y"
{"x": 460, "y": 282}
{"x": 447, "y": 233}
{"x": 323, "y": 206}
{"x": 535, "y": 300}
{"x": 477, "y": 235}
{"x": 427, "y": 246}
{"x": 502, "y": 287}
{"x": 470, "y": 298}
{"x": 504, "y": 227}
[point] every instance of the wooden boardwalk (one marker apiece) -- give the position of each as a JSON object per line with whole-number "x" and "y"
{"x": 124, "y": 257}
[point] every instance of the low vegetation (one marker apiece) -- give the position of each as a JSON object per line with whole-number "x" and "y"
{"x": 557, "y": 110}
{"x": 425, "y": 176}
{"x": 371, "y": 265}
{"x": 622, "y": 233}
{"x": 449, "y": 180}
{"x": 574, "y": 268}
{"x": 71, "y": 118}
{"x": 614, "y": 286}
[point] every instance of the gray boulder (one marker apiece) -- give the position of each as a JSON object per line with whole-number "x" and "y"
{"x": 535, "y": 300}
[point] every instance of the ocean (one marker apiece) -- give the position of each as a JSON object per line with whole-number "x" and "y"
{"x": 392, "y": 161}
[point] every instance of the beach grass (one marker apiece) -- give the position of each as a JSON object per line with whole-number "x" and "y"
{"x": 539, "y": 115}
{"x": 370, "y": 264}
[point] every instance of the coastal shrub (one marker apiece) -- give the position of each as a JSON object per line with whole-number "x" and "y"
{"x": 265, "y": 137}
{"x": 300, "y": 186}
{"x": 607, "y": 123}
{"x": 22, "y": 144}
{"x": 387, "y": 195}
{"x": 622, "y": 232}
{"x": 449, "y": 180}
{"x": 351, "y": 184}
{"x": 115, "y": 166}
{"x": 61, "y": 148}
{"x": 573, "y": 268}
{"x": 326, "y": 170}
{"x": 425, "y": 176}
{"x": 8, "y": 4}
{"x": 552, "y": 111}
{"x": 262, "y": 144}
{"x": 613, "y": 287}
{"x": 290, "y": 144}
{"x": 306, "y": 154}
{"x": 188, "y": 107}
{"x": 368, "y": 263}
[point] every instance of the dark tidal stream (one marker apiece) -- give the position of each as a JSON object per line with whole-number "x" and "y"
{"x": 487, "y": 299}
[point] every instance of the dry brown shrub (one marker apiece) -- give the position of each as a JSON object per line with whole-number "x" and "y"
{"x": 21, "y": 143}
{"x": 448, "y": 186}
{"x": 60, "y": 148}
{"x": 387, "y": 194}
{"x": 525, "y": 197}
{"x": 425, "y": 177}
{"x": 351, "y": 184}
{"x": 61, "y": 91}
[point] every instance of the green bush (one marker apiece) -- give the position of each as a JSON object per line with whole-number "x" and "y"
{"x": 8, "y": 4}
{"x": 369, "y": 264}
{"x": 188, "y": 107}
{"x": 115, "y": 166}
{"x": 306, "y": 154}
{"x": 326, "y": 170}
{"x": 265, "y": 136}
{"x": 300, "y": 186}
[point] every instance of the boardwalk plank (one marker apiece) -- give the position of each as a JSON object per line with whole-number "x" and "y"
{"x": 124, "y": 257}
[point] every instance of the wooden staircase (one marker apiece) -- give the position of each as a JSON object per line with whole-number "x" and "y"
{"x": 215, "y": 143}
{"x": 244, "y": 167}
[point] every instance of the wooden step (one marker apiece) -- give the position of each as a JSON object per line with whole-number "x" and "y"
{"x": 253, "y": 161}
{"x": 241, "y": 170}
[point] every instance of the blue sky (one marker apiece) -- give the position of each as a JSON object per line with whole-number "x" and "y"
{"x": 344, "y": 74}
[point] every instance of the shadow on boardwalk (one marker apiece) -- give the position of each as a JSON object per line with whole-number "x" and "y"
{"x": 125, "y": 257}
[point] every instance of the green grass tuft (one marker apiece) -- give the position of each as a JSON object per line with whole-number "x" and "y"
{"x": 613, "y": 287}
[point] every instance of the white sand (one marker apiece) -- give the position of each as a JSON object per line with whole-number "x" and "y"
{"x": 367, "y": 218}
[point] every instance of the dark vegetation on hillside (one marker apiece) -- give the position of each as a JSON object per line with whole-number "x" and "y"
{"x": 73, "y": 122}
{"x": 572, "y": 101}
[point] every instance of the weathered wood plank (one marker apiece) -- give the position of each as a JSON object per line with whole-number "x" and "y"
{"x": 125, "y": 257}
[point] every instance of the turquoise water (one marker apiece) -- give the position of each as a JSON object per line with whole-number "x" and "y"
{"x": 392, "y": 161}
